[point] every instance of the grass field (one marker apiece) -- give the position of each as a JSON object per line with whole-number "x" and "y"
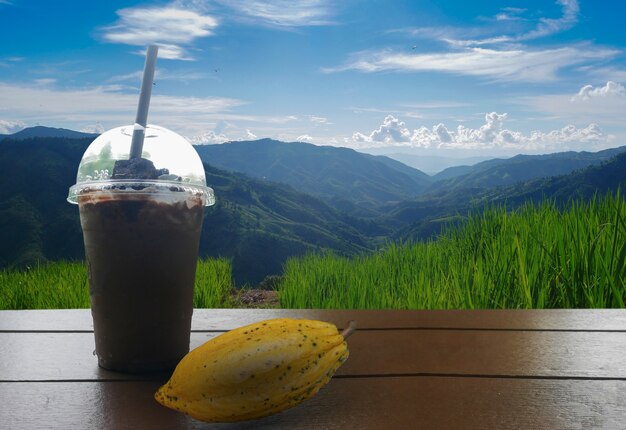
{"x": 63, "y": 285}
{"x": 533, "y": 257}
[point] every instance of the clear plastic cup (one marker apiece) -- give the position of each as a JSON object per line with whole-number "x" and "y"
{"x": 141, "y": 222}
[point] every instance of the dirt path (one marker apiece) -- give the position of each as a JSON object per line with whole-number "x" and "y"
{"x": 255, "y": 299}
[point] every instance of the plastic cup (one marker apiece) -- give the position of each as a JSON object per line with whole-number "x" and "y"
{"x": 141, "y": 222}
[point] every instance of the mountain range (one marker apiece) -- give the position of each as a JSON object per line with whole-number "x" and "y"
{"x": 42, "y": 131}
{"x": 276, "y": 200}
{"x": 426, "y": 215}
{"x": 348, "y": 180}
{"x": 497, "y": 172}
{"x": 249, "y": 218}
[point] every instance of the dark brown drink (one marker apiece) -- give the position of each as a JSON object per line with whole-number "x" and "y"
{"x": 141, "y": 251}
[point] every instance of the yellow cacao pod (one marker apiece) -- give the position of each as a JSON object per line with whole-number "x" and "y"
{"x": 256, "y": 370}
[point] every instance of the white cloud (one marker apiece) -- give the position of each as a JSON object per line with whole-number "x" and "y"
{"x": 170, "y": 27}
{"x": 109, "y": 106}
{"x": 208, "y": 138}
{"x": 95, "y": 129}
{"x": 512, "y": 64}
{"x": 283, "y": 13}
{"x": 133, "y": 76}
{"x": 162, "y": 75}
{"x": 488, "y": 51}
{"x": 405, "y": 113}
{"x": 545, "y": 27}
{"x": 11, "y": 126}
{"x": 250, "y": 135}
{"x": 304, "y": 138}
{"x": 603, "y": 104}
{"x": 318, "y": 119}
{"x": 510, "y": 14}
{"x": 9, "y": 61}
{"x": 45, "y": 81}
{"x": 611, "y": 89}
{"x": 605, "y": 73}
{"x": 392, "y": 130}
{"x": 437, "y": 104}
{"x": 548, "y": 26}
{"x": 491, "y": 135}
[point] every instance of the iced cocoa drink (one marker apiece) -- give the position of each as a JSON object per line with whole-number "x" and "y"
{"x": 141, "y": 252}
{"x": 141, "y": 220}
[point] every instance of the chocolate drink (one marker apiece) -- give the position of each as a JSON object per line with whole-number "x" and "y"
{"x": 141, "y": 251}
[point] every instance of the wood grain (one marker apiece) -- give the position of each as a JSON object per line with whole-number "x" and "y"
{"x": 227, "y": 319}
{"x": 558, "y": 369}
{"x": 359, "y": 403}
{"x": 69, "y": 356}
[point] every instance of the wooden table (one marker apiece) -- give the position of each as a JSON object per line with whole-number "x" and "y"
{"x": 562, "y": 369}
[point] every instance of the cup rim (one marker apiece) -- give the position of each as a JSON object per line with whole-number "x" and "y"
{"x": 141, "y": 187}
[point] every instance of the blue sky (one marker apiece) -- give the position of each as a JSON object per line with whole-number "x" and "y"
{"x": 431, "y": 77}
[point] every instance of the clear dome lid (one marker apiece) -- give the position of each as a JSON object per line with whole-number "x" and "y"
{"x": 168, "y": 162}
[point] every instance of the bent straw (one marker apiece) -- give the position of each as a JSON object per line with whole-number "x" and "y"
{"x": 136, "y": 146}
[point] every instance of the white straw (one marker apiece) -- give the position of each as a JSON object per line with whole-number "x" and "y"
{"x": 136, "y": 146}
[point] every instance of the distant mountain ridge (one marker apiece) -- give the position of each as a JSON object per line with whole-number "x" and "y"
{"x": 429, "y": 164}
{"x": 500, "y": 172}
{"x": 347, "y": 179}
{"x": 426, "y": 215}
{"x": 44, "y": 132}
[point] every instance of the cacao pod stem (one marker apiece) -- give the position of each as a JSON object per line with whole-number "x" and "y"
{"x": 349, "y": 330}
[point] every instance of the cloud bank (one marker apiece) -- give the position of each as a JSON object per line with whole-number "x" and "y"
{"x": 491, "y": 135}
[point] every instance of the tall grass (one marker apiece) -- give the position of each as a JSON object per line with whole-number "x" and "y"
{"x": 213, "y": 283}
{"x": 61, "y": 285}
{"x": 533, "y": 257}
{"x": 64, "y": 285}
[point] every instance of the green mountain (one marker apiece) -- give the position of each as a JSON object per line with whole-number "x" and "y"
{"x": 426, "y": 215}
{"x": 580, "y": 184}
{"x": 36, "y": 223}
{"x": 257, "y": 224}
{"x": 41, "y": 131}
{"x": 452, "y": 172}
{"x": 349, "y": 180}
{"x": 499, "y": 172}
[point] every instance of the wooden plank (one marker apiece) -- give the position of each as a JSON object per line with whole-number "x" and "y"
{"x": 46, "y": 320}
{"x": 357, "y": 403}
{"x": 226, "y": 319}
{"x": 69, "y": 356}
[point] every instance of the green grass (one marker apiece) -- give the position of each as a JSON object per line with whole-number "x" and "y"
{"x": 64, "y": 285}
{"x": 533, "y": 257}
{"x": 61, "y": 285}
{"x": 213, "y": 284}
